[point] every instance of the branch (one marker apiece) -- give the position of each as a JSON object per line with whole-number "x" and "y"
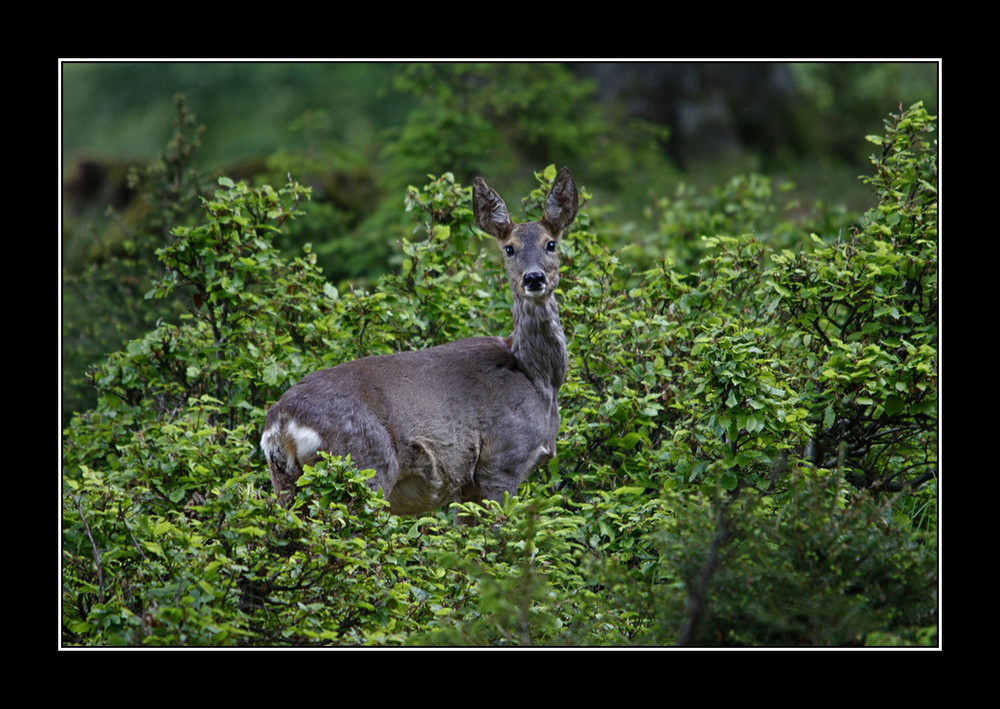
{"x": 699, "y": 588}
{"x": 905, "y": 485}
{"x": 95, "y": 551}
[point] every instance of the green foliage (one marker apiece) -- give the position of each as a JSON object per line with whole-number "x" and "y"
{"x": 862, "y": 313}
{"x": 746, "y": 447}
{"x": 493, "y": 118}
{"x": 102, "y": 300}
{"x": 824, "y": 568}
{"x": 228, "y": 346}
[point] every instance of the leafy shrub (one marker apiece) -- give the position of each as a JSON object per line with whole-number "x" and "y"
{"x": 767, "y": 416}
{"x": 102, "y": 301}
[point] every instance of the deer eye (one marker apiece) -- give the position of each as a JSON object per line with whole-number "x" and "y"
{"x": 509, "y": 249}
{"x": 551, "y": 246}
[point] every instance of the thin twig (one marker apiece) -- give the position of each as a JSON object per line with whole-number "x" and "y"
{"x": 96, "y": 552}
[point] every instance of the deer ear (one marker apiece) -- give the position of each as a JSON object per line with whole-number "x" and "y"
{"x": 561, "y": 202}
{"x": 490, "y": 211}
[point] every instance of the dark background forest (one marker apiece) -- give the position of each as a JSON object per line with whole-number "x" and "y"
{"x": 753, "y": 309}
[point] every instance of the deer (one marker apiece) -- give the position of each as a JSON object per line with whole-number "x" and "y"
{"x": 464, "y": 421}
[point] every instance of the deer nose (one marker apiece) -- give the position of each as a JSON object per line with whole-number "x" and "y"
{"x": 533, "y": 282}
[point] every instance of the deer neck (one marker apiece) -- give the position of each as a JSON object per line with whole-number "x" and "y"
{"x": 538, "y": 341}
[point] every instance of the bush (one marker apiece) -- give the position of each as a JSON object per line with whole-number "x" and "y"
{"x": 768, "y": 416}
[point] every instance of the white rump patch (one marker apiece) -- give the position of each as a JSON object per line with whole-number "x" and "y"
{"x": 304, "y": 441}
{"x": 307, "y": 441}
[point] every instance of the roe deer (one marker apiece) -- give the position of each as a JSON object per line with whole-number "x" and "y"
{"x": 460, "y": 422}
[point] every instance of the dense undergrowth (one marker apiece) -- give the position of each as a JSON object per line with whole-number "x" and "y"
{"x": 748, "y": 454}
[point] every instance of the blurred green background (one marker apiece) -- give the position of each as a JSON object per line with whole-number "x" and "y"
{"x": 372, "y": 123}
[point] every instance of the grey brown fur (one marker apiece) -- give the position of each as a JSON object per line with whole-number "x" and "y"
{"x": 464, "y": 421}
